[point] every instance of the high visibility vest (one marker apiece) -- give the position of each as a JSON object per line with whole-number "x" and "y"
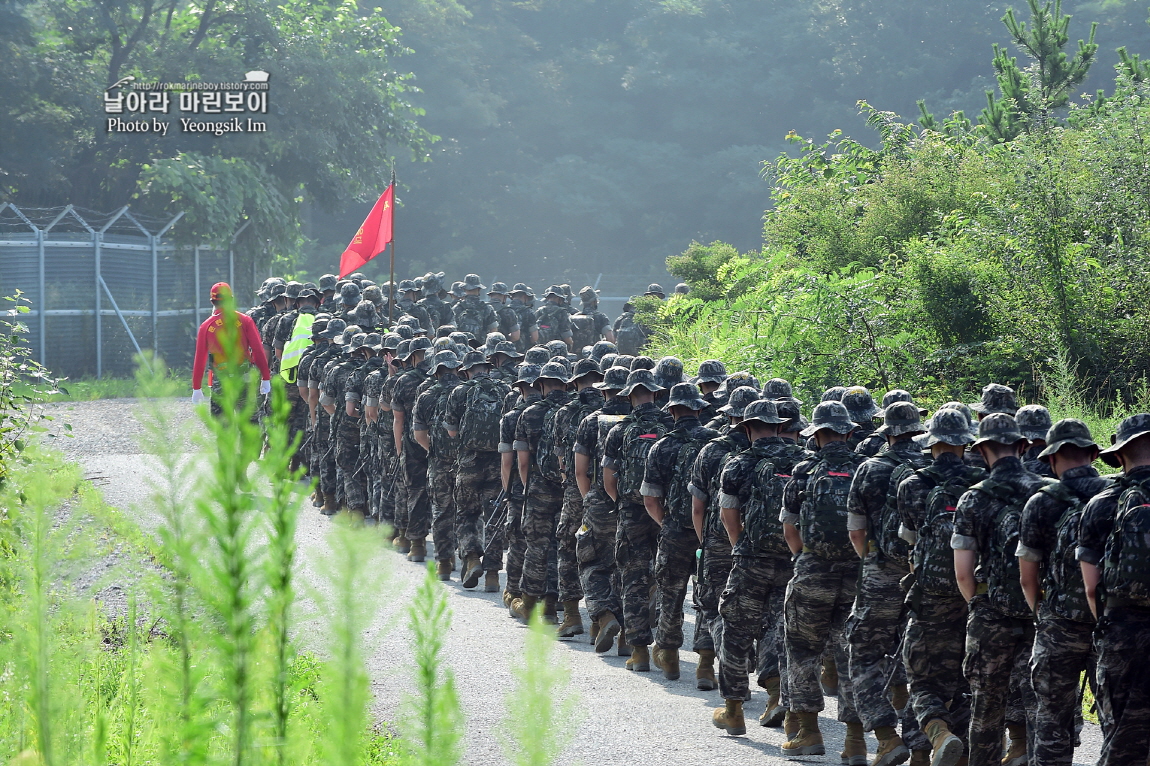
{"x": 299, "y": 343}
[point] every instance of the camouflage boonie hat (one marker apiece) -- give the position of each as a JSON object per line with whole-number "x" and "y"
{"x": 607, "y": 362}
{"x": 763, "y": 411}
{"x": 408, "y": 321}
{"x": 275, "y": 291}
{"x": 655, "y": 289}
{"x": 365, "y": 314}
{"x": 442, "y": 343}
{"x": 949, "y": 426}
{"x": 374, "y": 341}
{"x": 498, "y": 288}
{"x": 349, "y": 332}
{"x": 998, "y": 427}
{"x": 403, "y": 350}
{"x": 893, "y": 396}
{"x": 624, "y": 360}
{"x": 461, "y": 337}
{"x": 901, "y": 418}
{"x": 293, "y": 288}
{"x": 682, "y": 288}
{"x": 686, "y": 395}
{"x": 520, "y": 287}
{"x": 445, "y": 358}
{"x": 643, "y": 363}
{"x": 711, "y": 371}
{"x": 554, "y": 290}
{"x": 334, "y": 327}
{"x": 789, "y": 409}
{"x": 779, "y": 390}
{"x": 404, "y": 331}
{"x": 669, "y": 371}
{"x": 1066, "y": 431}
{"x": 445, "y": 330}
{"x": 373, "y": 293}
{"x": 317, "y": 328}
{"x": 738, "y": 379}
{"x": 556, "y": 348}
{"x": 583, "y": 368}
{"x": 472, "y": 358}
{"x": 457, "y": 290}
{"x": 526, "y": 375}
{"x": 349, "y": 294}
{"x": 537, "y": 355}
{"x": 554, "y": 371}
{"x": 601, "y": 349}
{"x": 355, "y": 343}
{"x": 471, "y": 282}
{"x": 417, "y": 344}
{"x": 493, "y": 339}
{"x": 859, "y": 404}
{"x": 996, "y": 398}
{"x": 614, "y": 379}
{"x": 507, "y": 348}
{"x": 1033, "y": 421}
{"x": 739, "y": 400}
{"x": 588, "y": 294}
{"x": 637, "y": 378}
{"x": 327, "y": 282}
{"x": 391, "y": 341}
{"x": 356, "y": 276}
{"x": 961, "y": 407}
{"x": 1131, "y": 428}
{"x": 830, "y": 415}
{"x": 833, "y": 394}
{"x": 308, "y": 292}
{"x": 406, "y": 285}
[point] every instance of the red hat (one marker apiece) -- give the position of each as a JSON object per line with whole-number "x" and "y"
{"x": 221, "y": 290}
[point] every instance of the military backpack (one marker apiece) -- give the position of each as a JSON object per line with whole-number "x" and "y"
{"x": 678, "y": 497}
{"x": 762, "y": 530}
{"x": 933, "y": 556}
{"x": 890, "y": 545}
{"x": 630, "y": 338}
{"x": 1004, "y": 589}
{"x": 547, "y": 450}
{"x": 640, "y": 432}
{"x": 823, "y": 514}
{"x": 1062, "y": 589}
{"x": 1126, "y": 571}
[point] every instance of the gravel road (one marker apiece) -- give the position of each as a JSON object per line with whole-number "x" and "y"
{"x": 626, "y": 718}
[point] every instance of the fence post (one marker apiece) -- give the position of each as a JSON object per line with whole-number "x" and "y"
{"x": 41, "y": 298}
{"x": 156, "y": 282}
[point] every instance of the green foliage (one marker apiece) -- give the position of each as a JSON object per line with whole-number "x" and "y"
{"x": 699, "y": 267}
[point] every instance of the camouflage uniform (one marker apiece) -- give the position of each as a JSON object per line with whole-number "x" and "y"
{"x": 553, "y": 322}
{"x": 429, "y": 415}
{"x": 475, "y": 316}
{"x": 507, "y": 319}
{"x": 322, "y": 455}
{"x": 393, "y": 491}
{"x": 415, "y": 517}
{"x": 477, "y": 481}
{"x": 345, "y": 432}
{"x": 365, "y": 467}
{"x": 1062, "y": 642}
{"x": 516, "y": 545}
{"x": 544, "y": 499}
{"x": 527, "y": 324}
{"x": 381, "y": 468}
{"x": 411, "y": 308}
{"x": 595, "y": 547}
{"x": 297, "y": 418}
{"x": 935, "y": 641}
{"x": 635, "y": 539}
{"x": 1000, "y": 629}
{"x": 751, "y": 604}
{"x": 567, "y": 422}
{"x": 820, "y": 594}
{"x": 876, "y": 621}
{"x": 677, "y": 542}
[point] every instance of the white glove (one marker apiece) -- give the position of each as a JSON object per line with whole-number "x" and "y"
{"x": 265, "y": 387}
{"x": 198, "y": 396}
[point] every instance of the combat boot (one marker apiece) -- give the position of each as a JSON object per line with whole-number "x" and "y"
{"x": 773, "y": 715}
{"x": 523, "y": 606}
{"x": 790, "y": 725}
{"x": 946, "y": 748}
{"x": 854, "y": 747}
{"x": 829, "y": 679}
{"x": 549, "y": 610}
{"x": 891, "y": 749}
{"x": 608, "y": 628}
{"x": 317, "y": 498}
{"x": 640, "y": 659}
{"x": 443, "y": 569}
{"x": 666, "y": 660}
{"x": 808, "y": 740}
{"x": 593, "y": 633}
{"x": 401, "y": 543}
{"x": 418, "y": 551}
{"x": 730, "y": 718}
{"x": 491, "y": 581}
{"x": 509, "y": 602}
{"x": 623, "y": 649}
{"x": 330, "y": 507}
{"x": 919, "y": 758}
{"x": 572, "y": 621}
{"x": 705, "y": 671}
{"x": 1016, "y": 753}
{"x": 899, "y": 697}
{"x": 472, "y": 568}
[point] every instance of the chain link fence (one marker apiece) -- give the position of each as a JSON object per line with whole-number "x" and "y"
{"x": 104, "y": 286}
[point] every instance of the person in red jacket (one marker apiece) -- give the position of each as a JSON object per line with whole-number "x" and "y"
{"x": 210, "y": 348}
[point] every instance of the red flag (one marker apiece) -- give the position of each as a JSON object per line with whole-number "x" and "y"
{"x": 373, "y": 236}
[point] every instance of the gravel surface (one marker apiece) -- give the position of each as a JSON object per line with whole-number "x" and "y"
{"x": 625, "y": 718}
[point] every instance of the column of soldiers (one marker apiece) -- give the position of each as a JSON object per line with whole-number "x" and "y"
{"x": 954, "y": 582}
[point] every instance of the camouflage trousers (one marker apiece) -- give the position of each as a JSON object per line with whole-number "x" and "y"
{"x": 932, "y": 653}
{"x": 417, "y": 505}
{"x": 347, "y": 460}
{"x": 1123, "y": 643}
{"x": 383, "y": 484}
{"x": 751, "y": 609}
{"x": 674, "y": 565}
{"x": 540, "y": 517}
{"x": 595, "y": 549}
{"x": 570, "y": 519}
{"x": 441, "y": 492}
{"x": 322, "y": 456}
{"x": 516, "y": 545}
{"x": 997, "y": 647}
{"x": 713, "y": 572}
{"x": 297, "y": 418}
{"x": 817, "y": 603}
{"x": 873, "y": 632}
{"x": 477, "y": 484}
{"x": 635, "y": 544}
{"x": 1063, "y": 651}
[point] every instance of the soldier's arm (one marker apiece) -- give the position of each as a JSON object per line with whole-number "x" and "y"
{"x": 524, "y": 457}
{"x": 611, "y": 482}
{"x": 654, "y": 482}
{"x": 792, "y": 504}
{"x": 731, "y": 499}
{"x": 397, "y": 429}
{"x": 1030, "y": 556}
{"x": 1091, "y": 576}
{"x": 965, "y": 544}
{"x": 583, "y": 473}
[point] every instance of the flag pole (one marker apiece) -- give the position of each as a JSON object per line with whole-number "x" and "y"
{"x": 391, "y": 292}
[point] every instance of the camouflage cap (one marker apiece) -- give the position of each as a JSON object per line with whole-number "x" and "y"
{"x": 643, "y": 378}
{"x": 334, "y": 327}
{"x": 521, "y": 287}
{"x": 349, "y": 332}
{"x": 682, "y": 288}
{"x": 996, "y": 398}
{"x": 608, "y": 361}
{"x": 358, "y": 341}
{"x": 403, "y": 350}
{"x": 685, "y": 395}
{"x": 1133, "y": 427}
{"x": 442, "y": 343}
{"x": 859, "y": 404}
{"x": 642, "y": 363}
{"x": 432, "y": 283}
{"x": 472, "y": 358}
{"x": 901, "y": 418}
{"x": 404, "y": 331}
{"x": 763, "y": 411}
{"x": 1066, "y": 431}
{"x": 507, "y": 348}
{"x": 625, "y": 360}
{"x": 779, "y": 389}
{"x": 557, "y": 348}
{"x": 327, "y": 282}
{"x": 949, "y": 426}
{"x": 655, "y": 289}
{"x": 471, "y": 282}
{"x": 349, "y": 294}
{"x": 998, "y": 427}
{"x": 585, "y": 367}
{"x": 711, "y": 371}
{"x": 830, "y": 415}
{"x": 554, "y": 371}
{"x": 527, "y": 375}
{"x": 293, "y": 288}
{"x": 409, "y": 321}
{"x": 356, "y": 276}
{"x": 669, "y": 371}
{"x": 834, "y": 394}
{"x": 892, "y": 396}
{"x": 537, "y": 355}
{"x": 445, "y": 359}
{"x": 445, "y": 330}
{"x": 498, "y": 288}
{"x": 374, "y": 341}
{"x": 308, "y": 292}
{"x": 391, "y": 341}
{"x": 961, "y": 407}
{"x": 739, "y": 400}
{"x": 601, "y": 349}
{"x": 614, "y": 379}
{"x": 1033, "y": 421}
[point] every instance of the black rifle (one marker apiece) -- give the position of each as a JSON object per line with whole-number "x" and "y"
{"x": 498, "y": 518}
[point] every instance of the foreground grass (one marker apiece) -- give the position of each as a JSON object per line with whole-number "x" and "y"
{"x": 90, "y": 389}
